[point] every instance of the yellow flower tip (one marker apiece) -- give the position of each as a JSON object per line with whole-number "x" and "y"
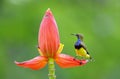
{"x": 60, "y": 48}
{"x": 40, "y": 52}
{"x": 48, "y": 12}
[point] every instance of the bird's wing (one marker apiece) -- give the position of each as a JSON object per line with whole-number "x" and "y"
{"x": 83, "y": 45}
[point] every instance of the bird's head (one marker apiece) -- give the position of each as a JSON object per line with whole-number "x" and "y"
{"x": 78, "y": 35}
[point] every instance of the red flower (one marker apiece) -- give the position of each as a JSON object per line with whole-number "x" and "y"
{"x": 49, "y": 46}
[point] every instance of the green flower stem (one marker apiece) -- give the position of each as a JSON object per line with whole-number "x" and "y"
{"x": 51, "y": 68}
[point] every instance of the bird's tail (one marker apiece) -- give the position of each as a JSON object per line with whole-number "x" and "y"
{"x": 91, "y": 59}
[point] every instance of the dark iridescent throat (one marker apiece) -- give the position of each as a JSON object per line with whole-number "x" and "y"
{"x": 77, "y": 44}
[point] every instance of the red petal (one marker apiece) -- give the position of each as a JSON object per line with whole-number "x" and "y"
{"x": 35, "y": 63}
{"x": 66, "y": 61}
{"x": 48, "y": 39}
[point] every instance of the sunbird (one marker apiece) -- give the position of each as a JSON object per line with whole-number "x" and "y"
{"x": 80, "y": 48}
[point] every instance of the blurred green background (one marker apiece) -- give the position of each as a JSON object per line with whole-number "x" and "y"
{"x": 98, "y": 20}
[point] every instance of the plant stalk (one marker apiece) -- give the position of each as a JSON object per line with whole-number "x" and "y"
{"x": 51, "y": 68}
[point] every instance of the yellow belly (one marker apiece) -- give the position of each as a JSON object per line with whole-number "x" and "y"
{"x": 82, "y": 52}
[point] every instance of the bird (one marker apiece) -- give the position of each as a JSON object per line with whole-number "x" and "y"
{"x": 80, "y": 47}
